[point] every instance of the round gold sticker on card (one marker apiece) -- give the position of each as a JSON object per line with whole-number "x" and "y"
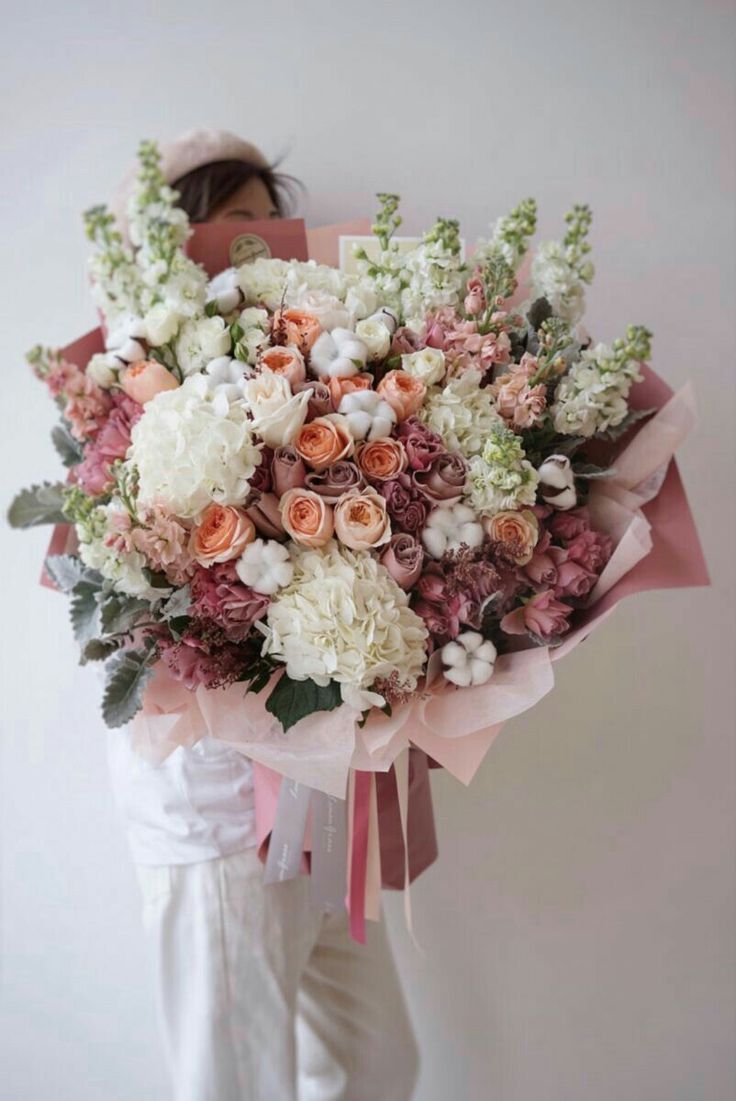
{"x": 247, "y": 247}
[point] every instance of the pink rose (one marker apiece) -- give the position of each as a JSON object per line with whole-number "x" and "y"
{"x": 266, "y": 515}
{"x": 573, "y": 580}
{"x": 143, "y": 380}
{"x": 445, "y": 479}
{"x": 590, "y": 549}
{"x": 541, "y": 615}
{"x": 407, "y": 506}
{"x": 320, "y": 401}
{"x": 218, "y": 594}
{"x": 287, "y": 469}
{"x": 307, "y": 517}
{"x": 335, "y": 481}
{"x": 403, "y": 558}
{"x": 542, "y": 567}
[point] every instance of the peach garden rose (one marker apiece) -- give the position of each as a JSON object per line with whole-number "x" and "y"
{"x": 222, "y": 534}
{"x": 306, "y": 517}
{"x": 361, "y": 520}
{"x": 323, "y": 441}
{"x": 403, "y": 392}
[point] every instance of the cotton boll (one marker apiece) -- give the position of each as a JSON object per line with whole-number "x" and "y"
{"x": 449, "y": 526}
{"x": 338, "y": 354}
{"x": 469, "y": 659}
{"x": 557, "y": 483}
{"x": 368, "y": 415}
{"x": 265, "y": 566}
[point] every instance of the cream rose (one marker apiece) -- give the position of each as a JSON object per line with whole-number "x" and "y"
{"x": 427, "y": 365}
{"x": 361, "y": 520}
{"x": 277, "y": 414}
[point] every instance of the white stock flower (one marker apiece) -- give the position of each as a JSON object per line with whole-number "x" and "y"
{"x": 557, "y": 483}
{"x": 469, "y": 659}
{"x": 555, "y": 278}
{"x": 428, "y": 365}
{"x": 199, "y": 341}
{"x": 461, "y": 413}
{"x": 188, "y": 452}
{"x": 501, "y": 477}
{"x": 593, "y": 396}
{"x": 224, "y": 289}
{"x": 277, "y": 413}
{"x": 262, "y": 282}
{"x": 124, "y": 568}
{"x": 343, "y": 618}
{"x": 369, "y": 417}
{"x": 338, "y": 354}
{"x": 265, "y": 566}
{"x": 449, "y": 526}
{"x": 103, "y": 369}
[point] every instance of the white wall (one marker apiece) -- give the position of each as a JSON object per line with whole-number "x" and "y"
{"x": 579, "y": 924}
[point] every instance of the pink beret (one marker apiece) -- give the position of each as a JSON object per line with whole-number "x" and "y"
{"x": 192, "y": 150}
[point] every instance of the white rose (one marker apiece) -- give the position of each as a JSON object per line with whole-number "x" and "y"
{"x": 361, "y": 299}
{"x": 161, "y": 323}
{"x": 253, "y": 318}
{"x": 427, "y": 365}
{"x": 103, "y": 369}
{"x": 326, "y": 308}
{"x": 277, "y": 413}
{"x": 375, "y": 335}
{"x": 200, "y": 341}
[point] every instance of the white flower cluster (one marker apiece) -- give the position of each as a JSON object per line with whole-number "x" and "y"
{"x": 501, "y": 477}
{"x": 188, "y": 451}
{"x": 510, "y": 236}
{"x": 343, "y": 618}
{"x": 124, "y": 568}
{"x": 434, "y": 274}
{"x": 461, "y": 413}
{"x": 268, "y": 281}
{"x": 557, "y": 280}
{"x": 593, "y": 396}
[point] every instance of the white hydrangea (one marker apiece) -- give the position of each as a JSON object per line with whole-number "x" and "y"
{"x": 262, "y": 282}
{"x": 200, "y": 341}
{"x": 269, "y": 281}
{"x": 501, "y": 477}
{"x": 343, "y": 618}
{"x": 189, "y": 451}
{"x": 593, "y": 396}
{"x": 461, "y": 412}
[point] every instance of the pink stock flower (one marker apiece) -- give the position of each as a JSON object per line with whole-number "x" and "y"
{"x": 86, "y": 405}
{"x": 164, "y": 541}
{"x": 520, "y": 405}
{"x": 219, "y": 595}
{"x": 475, "y": 299}
{"x": 542, "y": 615}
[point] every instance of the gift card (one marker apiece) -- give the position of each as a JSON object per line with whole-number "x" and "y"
{"x": 220, "y": 245}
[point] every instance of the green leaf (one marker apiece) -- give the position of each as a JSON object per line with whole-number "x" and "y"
{"x": 69, "y": 450}
{"x": 85, "y": 612}
{"x": 98, "y": 649}
{"x": 128, "y": 673}
{"x": 67, "y": 571}
{"x": 41, "y": 504}
{"x": 177, "y": 605}
{"x": 120, "y": 613}
{"x": 291, "y": 700}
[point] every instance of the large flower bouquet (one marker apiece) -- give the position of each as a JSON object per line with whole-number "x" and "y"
{"x": 357, "y": 501}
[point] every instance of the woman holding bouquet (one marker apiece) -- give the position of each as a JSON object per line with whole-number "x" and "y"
{"x": 261, "y": 996}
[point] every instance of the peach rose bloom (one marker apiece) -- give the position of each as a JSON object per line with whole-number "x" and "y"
{"x": 222, "y": 533}
{"x": 287, "y": 361}
{"x": 403, "y": 392}
{"x": 339, "y": 387}
{"x": 381, "y": 459}
{"x": 519, "y": 531}
{"x": 306, "y": 517}
{"x": 323, "y": 441}
{"x": 299, "y": 327}
{"x": 143, "y": 380}
{"x": 361, "y": 520}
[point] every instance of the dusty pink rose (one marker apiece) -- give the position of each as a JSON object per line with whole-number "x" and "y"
{"x": 142, "y": 381}
{"x": 568, "y": 525}
{"x": 403, "y": 558}
{"x": 266, "y": 515}
{"x": 403, "y": 392}
{"x": 407, "y": 506}
{"x": 219, "y": 594}
{"x": 591, "y": 550}
{"x": 320, "y": 401}
{"x": 307, "y": 517}
{"x": 405, "y": 341}
{"x": 445, "y": 479}
{"x": 421, "y": 444}
{"x": 361, "y": 519}
{"x": 287, "y": 361}
{"x": 336, "y": 480}
{"x": 111, "y": 443}
{"x": 287, "y": 469}
{"x": 542, "y": 615}
{"x": 542, "y": 567}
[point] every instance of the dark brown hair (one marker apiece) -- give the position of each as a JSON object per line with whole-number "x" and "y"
{"x": 203, "y": 189}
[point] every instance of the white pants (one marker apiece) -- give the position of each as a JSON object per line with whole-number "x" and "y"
{"x": 264, "y": 998}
